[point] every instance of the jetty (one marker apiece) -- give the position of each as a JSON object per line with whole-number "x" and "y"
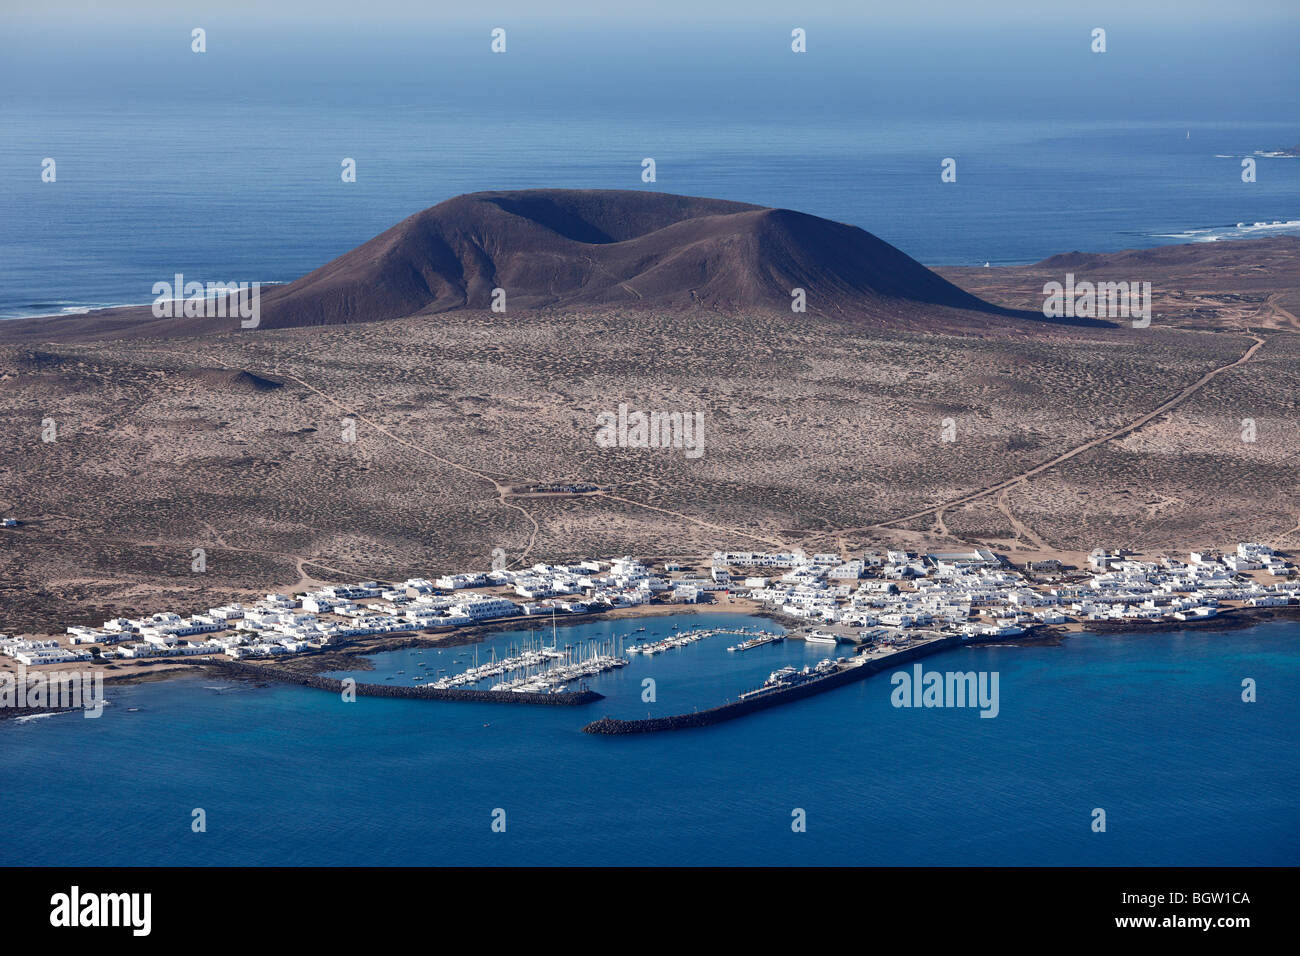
{"x": 552, "y": 679}
{"x": 529, "y": 660}
{"x": 861, "y": 667}
{"x": 760, "y": 640}
{"x": 698, "y": 634}
{"x": 425, "y": 692}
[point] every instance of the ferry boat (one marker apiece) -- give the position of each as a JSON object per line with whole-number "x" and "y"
{"x": 821, "y": 637}
{"x": 788, "y": 677}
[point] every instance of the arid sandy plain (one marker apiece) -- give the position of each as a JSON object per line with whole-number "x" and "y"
{"x": 820, "y": 432}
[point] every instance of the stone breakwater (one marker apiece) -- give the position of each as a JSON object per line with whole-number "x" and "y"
{"x": 334, "y": 684}
{"x": 739, "y": 708}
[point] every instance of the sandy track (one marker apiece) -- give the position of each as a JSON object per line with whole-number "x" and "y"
{"x": 1133, "y": 426}
{"x": 1022, "y": 530}
{"x": 696, "y": 521}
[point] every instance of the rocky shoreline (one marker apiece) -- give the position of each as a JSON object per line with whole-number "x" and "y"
{"x": 1228, "y": 619}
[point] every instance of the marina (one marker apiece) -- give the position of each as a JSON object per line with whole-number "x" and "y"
{"x": 537, "y": 669}
{"x": 552, "y": 678}
{"x": 528, "y": 662}
{"x": 759, "y": 641}
{"x": 690, "y": 637}
{"x": 529, "y": 665}
{"x": 698, "y": 674}
{"x": 336, "y": 686}
{"x": 885, "y": 605}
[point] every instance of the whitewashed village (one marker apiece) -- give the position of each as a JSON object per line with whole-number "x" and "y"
{"x": 888, "y": 598}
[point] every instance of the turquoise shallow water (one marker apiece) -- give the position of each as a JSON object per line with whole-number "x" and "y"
{"x": 1150, "y": 728}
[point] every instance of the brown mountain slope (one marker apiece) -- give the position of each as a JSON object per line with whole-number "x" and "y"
{"x": 572, "y": 248}
{"x": 587, "y": 249}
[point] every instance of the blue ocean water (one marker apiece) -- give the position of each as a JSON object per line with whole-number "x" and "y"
{"x": 226, "y": 165}
{"x": 1150, "y": 728}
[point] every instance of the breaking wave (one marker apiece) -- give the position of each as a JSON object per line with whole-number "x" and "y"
{"x": 1242, "y": 230}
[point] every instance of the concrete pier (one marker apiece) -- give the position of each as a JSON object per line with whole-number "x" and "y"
{"x": 263, "y": 672}
{"x": 730, "y": 711}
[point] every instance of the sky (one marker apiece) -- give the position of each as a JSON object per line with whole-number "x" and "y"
{"x": 667, "y": 11}
{"x": 1005, "y": 65}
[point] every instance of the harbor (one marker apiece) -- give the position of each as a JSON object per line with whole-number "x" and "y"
{"x": 871, "y": 598}
{"x": 693, "y": 670}
{"x": 880, "y": 604}
{"x": 789, "y": 677}
{"x": 534, "y": 755}
{"x": 688, "y": 672}
{"x": 781, "y": 687}
{"x": 548, "y": 669}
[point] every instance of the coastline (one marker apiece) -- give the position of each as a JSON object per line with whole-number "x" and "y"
{"x": 354, "y": 655}
{"x": 306, "y": 668}
{"x": 1228, "y": 619}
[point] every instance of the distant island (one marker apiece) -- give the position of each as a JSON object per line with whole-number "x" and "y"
{"x": 503, "y": 252}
